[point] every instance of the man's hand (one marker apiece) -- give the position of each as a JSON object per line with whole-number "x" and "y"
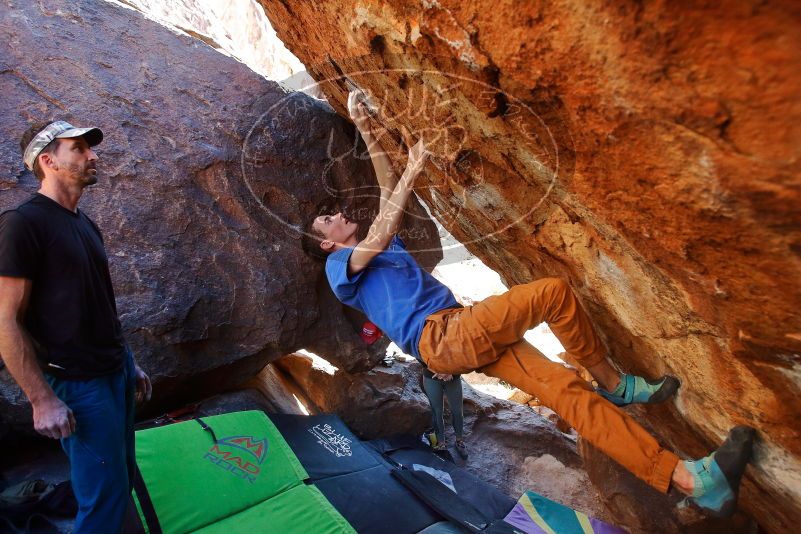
{"x": 418, "y": 155}
{"x": 443, "y": 377}
{"x": 53, "y": 419}
{"x": 143, "y": 387}
{"x": 358, "y": 111}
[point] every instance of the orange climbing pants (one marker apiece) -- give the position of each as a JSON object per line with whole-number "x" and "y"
{"x": 488, "y": 337}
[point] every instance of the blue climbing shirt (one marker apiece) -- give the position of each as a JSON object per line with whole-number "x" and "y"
{"x": 393, "y": 291}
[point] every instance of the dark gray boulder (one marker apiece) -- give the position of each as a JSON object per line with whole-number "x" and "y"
{"x": 206, "y": 173}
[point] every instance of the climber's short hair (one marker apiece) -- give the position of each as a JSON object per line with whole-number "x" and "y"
{"x": 311, "y": 239}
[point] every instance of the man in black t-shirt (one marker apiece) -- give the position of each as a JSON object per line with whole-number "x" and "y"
{"x": 60, "y": 336}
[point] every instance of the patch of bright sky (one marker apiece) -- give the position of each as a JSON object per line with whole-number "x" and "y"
{"x": 239, "y": 28}
{"x": 472, "y": 281}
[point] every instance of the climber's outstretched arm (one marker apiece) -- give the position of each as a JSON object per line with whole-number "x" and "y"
{"x": 384, "y": 171}
{"x": 389, "y": 217}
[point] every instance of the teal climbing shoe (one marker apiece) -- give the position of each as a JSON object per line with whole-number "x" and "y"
{"x": 717, "y": 476}
{"x": 638, "y": 390}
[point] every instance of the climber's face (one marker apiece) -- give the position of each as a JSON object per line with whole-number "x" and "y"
{"x": 335, "y": 230}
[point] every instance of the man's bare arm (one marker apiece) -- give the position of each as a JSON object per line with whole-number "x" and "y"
{"x": 388, "y": 220}
{"x": 51, "y": 417}
{"x": 384, "y": 171}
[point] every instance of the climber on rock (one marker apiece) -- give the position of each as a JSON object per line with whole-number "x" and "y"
{"x": 380, "y": 278}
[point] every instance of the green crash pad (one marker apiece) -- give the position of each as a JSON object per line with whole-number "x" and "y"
{"x": 300, "y": 509}
{"x": 194, "y": 481}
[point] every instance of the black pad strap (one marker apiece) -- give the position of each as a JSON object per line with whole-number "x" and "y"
{"x": 440, "y": 498}
{"x": 207, "y": 428}
{"x": 151, "y": 519}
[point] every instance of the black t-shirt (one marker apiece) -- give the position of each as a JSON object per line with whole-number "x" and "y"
{"x": 71, "y": 314}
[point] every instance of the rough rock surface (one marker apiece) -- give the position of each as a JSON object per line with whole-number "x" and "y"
{"x": 510, "y": 446}
{"x": 646, "y": 152}
{"x": 643, "y": 509}
{"x": 282, "y": 392}
{"x": 206, "y": 173}
{"x": 381, "y": 402}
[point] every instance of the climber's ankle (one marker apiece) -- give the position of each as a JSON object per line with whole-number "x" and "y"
{"x": 682, "y": 479}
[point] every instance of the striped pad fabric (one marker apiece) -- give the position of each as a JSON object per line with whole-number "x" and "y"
{"x": 535, "y": 514}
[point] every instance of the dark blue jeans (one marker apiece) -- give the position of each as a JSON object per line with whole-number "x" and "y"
{"x": 101, "y": 451}
{"x": 436, "y": 390}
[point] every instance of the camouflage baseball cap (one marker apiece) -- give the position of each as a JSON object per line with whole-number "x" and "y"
{"x": 58, "y": 130}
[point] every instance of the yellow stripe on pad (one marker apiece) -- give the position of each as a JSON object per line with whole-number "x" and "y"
{"x": 535, "y": 515}
{"x": 584, "y": 521}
